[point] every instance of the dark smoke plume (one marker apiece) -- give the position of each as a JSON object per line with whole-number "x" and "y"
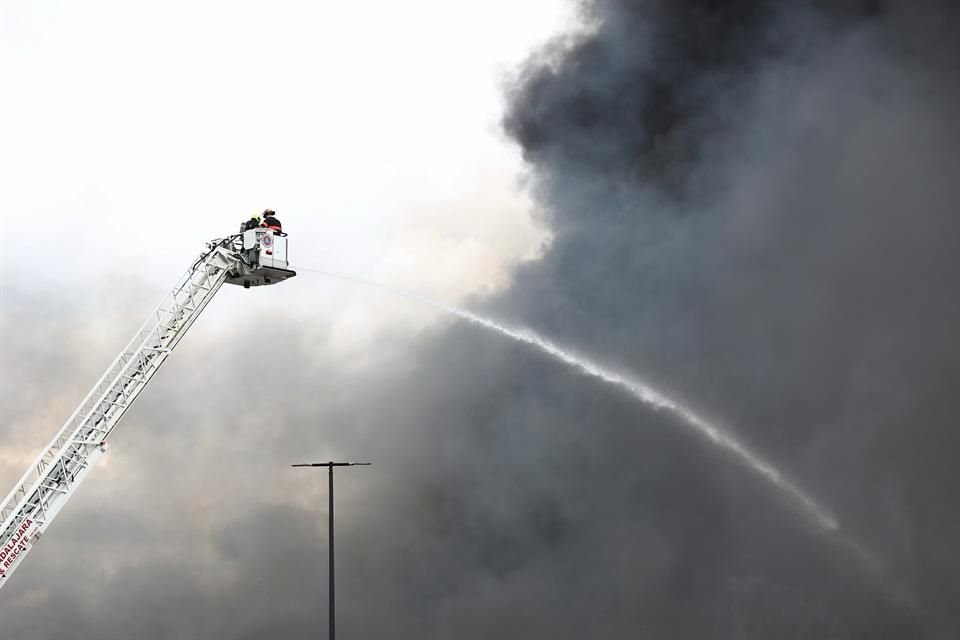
{"x": 752, "y": 205}
{"x": 756, "y": 202}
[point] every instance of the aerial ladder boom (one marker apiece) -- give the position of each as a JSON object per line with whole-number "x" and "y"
{"x": 253, "y": 258}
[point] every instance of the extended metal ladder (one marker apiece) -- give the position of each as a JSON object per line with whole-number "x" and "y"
{"x": 52, "y": 479}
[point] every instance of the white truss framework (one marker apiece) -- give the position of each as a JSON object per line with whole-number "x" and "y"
{"x": 52, "y": 479}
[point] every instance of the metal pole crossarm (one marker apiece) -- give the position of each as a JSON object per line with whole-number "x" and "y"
{"x": 53, "y": 478}
{"x": 332, "y": 464}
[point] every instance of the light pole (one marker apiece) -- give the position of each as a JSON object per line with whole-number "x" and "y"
{"x": 330, "y": 466}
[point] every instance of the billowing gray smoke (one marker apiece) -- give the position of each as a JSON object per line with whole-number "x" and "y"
{"x": 757, "y": 202}
{"x": 753, "y": 206}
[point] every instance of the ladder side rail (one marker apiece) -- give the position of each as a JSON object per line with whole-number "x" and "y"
{"x": 149, "y": 330}
{"x": 39, "y": 509}
{"x": 59, "y": 474}
{"x": 117, "y": 389}
{"x": 63, "y": 436}
{"x": 148, "y": 365}
{"x": 202, "y": 285}
{"x": 22, "y": 540}
{"x": 209, "y": 285}
{"x": 146, "y": 332}
{"x": 158, "y": 355}
{"x": 47, "y": 500}
{"x": 46, "y": 457}
{"x": 55, "y": 470}
{"x": 58, "y": 480}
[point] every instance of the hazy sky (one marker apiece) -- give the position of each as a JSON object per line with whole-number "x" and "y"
{"x": 372, "y": 128}
{"x": 749, "y": 204}
{"x": 133, "y": 134}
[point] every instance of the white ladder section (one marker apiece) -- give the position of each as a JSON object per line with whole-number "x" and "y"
{"x": 52, "y": 479}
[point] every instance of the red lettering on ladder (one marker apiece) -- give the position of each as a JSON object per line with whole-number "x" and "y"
{"x": 17, "y": 545}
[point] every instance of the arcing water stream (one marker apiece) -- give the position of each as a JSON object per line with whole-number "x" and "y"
{"x": 641, "y": 391}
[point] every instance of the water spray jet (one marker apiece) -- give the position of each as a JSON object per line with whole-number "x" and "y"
{"x": 821, "y": 517}
{"x": 640, "y": 390}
